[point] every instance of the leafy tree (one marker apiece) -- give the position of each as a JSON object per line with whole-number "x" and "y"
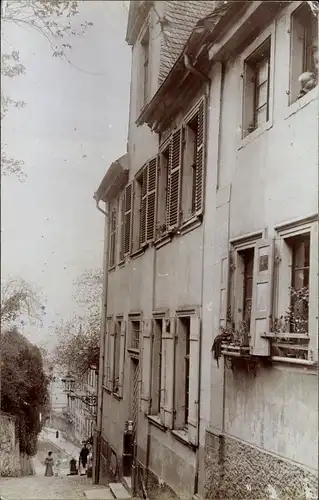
{"x": 79, "y": 339}
{"x": 52, "y": 19}
{"x": 18, "y": 299}
{"x": 24, "y": 387}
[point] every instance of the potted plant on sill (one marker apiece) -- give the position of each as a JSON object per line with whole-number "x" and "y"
{"x": 231, "y": 340}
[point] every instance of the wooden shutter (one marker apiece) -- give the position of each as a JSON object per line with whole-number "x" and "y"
{"x": 128, "y": 218}
{"x": 146, "y": 365}
{"x": 174, "y": 178}
{"x": 237, "y": 288}
{"x": 224, "y": 290}
{"x": 194, "y": 368}
{"x": 200, "y": 158}
{"x": 111, "y": 356}
{"x": 151, "y": 199}
{"x": 107, "y": 355}
{"x": 179, "y": 378}
{"x": 248, "y": 99}
{"x": 122, "y": 226}
{"x": 143, "y": 210}
{"x": 168, "y": 363}
{"x": 122, "y": 358}
{"x": 112, "y": 251}
{"x": 163, "y": 371}
{"x": 262, "y": 297}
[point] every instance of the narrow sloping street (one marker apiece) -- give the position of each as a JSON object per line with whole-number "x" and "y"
{"x": 40, "y": 487}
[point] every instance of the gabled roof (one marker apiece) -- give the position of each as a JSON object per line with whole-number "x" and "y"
{"x": 115, "y": 178}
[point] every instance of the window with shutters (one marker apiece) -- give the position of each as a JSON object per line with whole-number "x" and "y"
{"x": 256, "y": 97}
{"x": 182, "y": 373}
{"x": 157, "y": 366}
{"x": 145, "y": 205}
{"x": 116, "y": 362}
{"x": 295, "y": 327}
{"x": 243, "y": 289}
{"x": 162, "y": 193}
{"x": 303, "y": 52}
{"x": 113, "y": 228}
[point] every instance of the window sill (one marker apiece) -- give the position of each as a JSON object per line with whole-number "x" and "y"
{"x": 106, "y": 389}
{"x": 255, "y": 134}
{"x": 302, "y": 102}
{"x": 156, "y": 421}
{"x": 112, "y": 269}
{"x": 137, "y": 253}
{"x": 121, "y": 264}
{"x": 182, "y": 436}
{"x": 163, "y": 240}
{"x": 294, "y": 361}
{"x": 190, "y": 224}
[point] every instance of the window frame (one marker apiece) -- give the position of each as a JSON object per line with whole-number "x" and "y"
{"x": 283, "y": 276}
{"x": 291, "y": 12}
{"x": 246, "y": 54}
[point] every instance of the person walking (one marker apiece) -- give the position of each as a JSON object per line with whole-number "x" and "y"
{"x": 84, "y": 458}
{"x": 48, "y": 462}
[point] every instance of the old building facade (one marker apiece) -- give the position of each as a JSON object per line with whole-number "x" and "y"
{"x": 209, "y": 344}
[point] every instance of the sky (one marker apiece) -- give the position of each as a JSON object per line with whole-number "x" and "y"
{"x": 72, "y": 128}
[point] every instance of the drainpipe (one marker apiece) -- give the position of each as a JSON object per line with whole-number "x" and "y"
{"x": 196, "y": 482}
{"x": 102, "y": 343}
{"x": 197, "y": 466}
{"x": 148, "y": 442}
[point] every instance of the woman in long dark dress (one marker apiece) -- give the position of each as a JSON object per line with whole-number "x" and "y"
{"x": 48, "y": 462}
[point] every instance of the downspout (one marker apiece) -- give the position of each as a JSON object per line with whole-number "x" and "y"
{"x": 196, "y": 482}
{"x": 197, "y": 466}
{"x": 148, "y": 442}
{"x": 102, "y": 342}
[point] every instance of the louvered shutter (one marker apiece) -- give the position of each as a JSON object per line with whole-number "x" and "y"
{"x": 111, "y": 356}
{"x": 107, "y": 354}
{"x": 174, "y": 179}
{"x": 122, "y": 226}
{"x": 261, "y": 309}
{"x": 194, "y": 367}
{"x": 168, "y": 375}
{"x": 200, "y": 158}
{"x": 224, "y": 290}
{"x": 122, "y": 358}
{"x": 112, "y": 252}
{"x": 237, "y": 288}
{"x": 128, "y": 218}
{"x": 146, "y": 365}
{"x": 163, "y": 371}
{"x": 143, "y": 206}
{"x": 151, "y": 199}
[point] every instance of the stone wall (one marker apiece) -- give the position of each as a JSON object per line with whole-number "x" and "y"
{"x": 234, "y": 469}
{"x": 9, "y": 448}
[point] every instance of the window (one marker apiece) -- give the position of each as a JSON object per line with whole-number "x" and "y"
{"x": 243, "y": 290}
{"x": 112, "y": 244}
{"x": 182, "y": 373}
{"x": 162, "y": 197}
{"x": 256, "y": 88}
{"x": 145, "y": 48}
{"x": 292, "y": 328}
{"x": 248, "y": 277}
{"x": 304, "y": 52}
{"x": 116, "y": 366}
{"x": 157, "y": 366}
{"x": 140, "y": 192}
{"x": 135, "y": 334}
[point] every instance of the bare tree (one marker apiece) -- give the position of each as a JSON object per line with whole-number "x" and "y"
{"x": 52, "y": 19}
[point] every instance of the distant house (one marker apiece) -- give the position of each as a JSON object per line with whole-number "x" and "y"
{"x": 210, "y": 335}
